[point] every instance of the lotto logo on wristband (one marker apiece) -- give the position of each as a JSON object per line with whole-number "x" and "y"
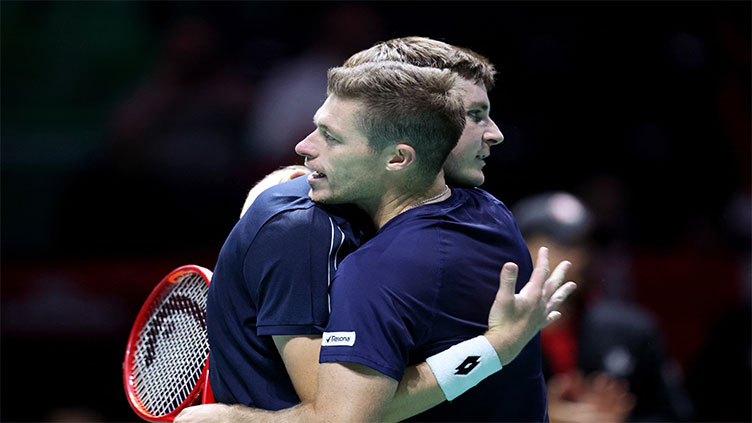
{"x": 479, "y": 360}
{"x": 468, "y": 365}
{"x": 338, "y": 339}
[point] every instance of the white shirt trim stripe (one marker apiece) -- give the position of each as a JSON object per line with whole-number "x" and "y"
{"x": 332, "y": 259}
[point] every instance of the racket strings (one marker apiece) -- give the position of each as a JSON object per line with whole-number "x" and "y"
{"x": 172, "y": 347}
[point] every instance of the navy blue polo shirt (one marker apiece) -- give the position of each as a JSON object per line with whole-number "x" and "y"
{"x": 425, "y": 282}
{"x": 272, "y": 278}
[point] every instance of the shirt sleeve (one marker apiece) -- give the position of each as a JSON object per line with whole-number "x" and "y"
{"x": 292, "y": 258}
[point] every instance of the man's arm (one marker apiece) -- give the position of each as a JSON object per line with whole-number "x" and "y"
{"x": 417, "y": 392}
{"x": 301, "y": 356}
{"x": 347, "y": 392}
{"x": 351, "y": 392}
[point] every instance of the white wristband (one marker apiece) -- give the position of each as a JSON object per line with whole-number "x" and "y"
{"x": 464, "y": 365}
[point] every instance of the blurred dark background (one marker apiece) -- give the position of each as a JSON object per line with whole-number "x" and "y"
{"x": 131, "y": 132}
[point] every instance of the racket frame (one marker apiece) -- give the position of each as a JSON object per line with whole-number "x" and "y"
{"x": 197, "y": 395}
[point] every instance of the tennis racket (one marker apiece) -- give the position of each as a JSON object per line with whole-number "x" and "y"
{"x": 166, "y": 363}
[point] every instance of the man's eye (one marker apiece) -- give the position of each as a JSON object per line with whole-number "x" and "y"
{"x": 475, "y": 115}
{"x": 328, "y": 138}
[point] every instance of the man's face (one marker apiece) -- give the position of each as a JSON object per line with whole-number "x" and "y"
{"x": 464, "y": 166}
{"x": 346, "y": 169}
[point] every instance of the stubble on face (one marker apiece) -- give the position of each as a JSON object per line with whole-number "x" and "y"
{"x": 345, "y": 164}
{"x": 464, "y": 165}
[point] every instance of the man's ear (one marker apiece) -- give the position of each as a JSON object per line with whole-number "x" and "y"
{"x": 401, "y": 157}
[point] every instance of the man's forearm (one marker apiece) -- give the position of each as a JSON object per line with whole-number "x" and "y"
{"x": 417, "y": 392}
{"x": 224, "y": 413}
{"x": 303, "y": 412}
{"x": 347, "y": 392}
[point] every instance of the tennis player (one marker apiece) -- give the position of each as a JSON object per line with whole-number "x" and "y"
{"x": 385, "y": 181}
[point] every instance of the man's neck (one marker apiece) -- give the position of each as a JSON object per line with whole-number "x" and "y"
{"x": 399, "y": 199}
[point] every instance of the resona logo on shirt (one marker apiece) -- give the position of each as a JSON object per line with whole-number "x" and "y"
{"x": 338, "y": 339}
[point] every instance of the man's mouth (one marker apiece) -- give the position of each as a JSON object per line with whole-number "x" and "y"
{"x": 318, "y": 175}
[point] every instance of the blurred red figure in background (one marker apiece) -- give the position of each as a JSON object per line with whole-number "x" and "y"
{"x": 605, "y": 357}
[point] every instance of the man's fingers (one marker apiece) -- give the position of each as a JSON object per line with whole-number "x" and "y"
{"x": 541, "y": 270}
{"x": 556, "y": 279}
{"x": 560, "y": 295}
{"x": 293, "y": 172}
{"x": 552, "y": 317}
{"x": 507, "y": 283}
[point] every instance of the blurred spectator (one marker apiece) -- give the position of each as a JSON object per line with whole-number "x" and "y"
{"x": 605, "y": 359}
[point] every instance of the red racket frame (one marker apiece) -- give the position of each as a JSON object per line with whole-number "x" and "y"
{"x": 202, "y": 392}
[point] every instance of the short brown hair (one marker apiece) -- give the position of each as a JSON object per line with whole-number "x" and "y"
{"x": 426, "y": 52}
{"x": 419, "y": 106}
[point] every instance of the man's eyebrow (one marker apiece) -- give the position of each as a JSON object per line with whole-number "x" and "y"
{"x": 316, "y": 118}
{"x": 480, "y": 105}
{"x": 318, "y": 124}
{"x": 323, "y": 127}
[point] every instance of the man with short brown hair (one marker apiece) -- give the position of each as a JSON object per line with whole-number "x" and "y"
{"x": 464, "y": 165}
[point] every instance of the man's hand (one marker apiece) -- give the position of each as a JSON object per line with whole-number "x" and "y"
{"x": 516, "y": 318}
{"x": 206, "y": 413}
{"x": 275, "y": 178}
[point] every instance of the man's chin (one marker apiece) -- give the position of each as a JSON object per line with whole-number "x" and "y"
{"x": 466, "y": 181}
{"x": 320, "y": 197}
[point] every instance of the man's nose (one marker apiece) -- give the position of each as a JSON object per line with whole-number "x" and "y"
{"x": 305, "y": 147}
{"x": 493, "y": 135}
